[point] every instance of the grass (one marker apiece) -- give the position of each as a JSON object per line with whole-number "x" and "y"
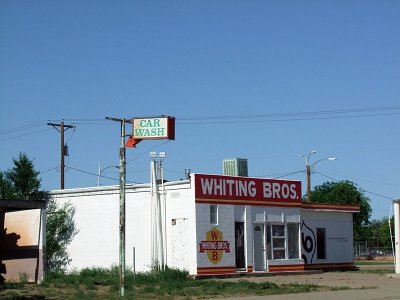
{"x": 372, "y": 262}
{"x": 95, "y": 283}
{"x": 376, "y": 271}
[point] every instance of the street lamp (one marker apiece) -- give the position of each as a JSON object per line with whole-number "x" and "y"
{"x": 310, "y": 168}
{"x": 101, "y": 172}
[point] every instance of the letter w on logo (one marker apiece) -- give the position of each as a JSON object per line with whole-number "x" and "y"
{"x": 214, "y": 235}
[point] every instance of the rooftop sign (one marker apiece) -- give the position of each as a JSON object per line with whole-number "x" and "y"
{"x": 247, "y": 190}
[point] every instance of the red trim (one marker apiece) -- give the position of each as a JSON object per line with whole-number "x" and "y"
{"x": 216, "y": 270}
{"x": 339, "y": 207}
{"x": 332, "y": 266}
{"x": 285, "y": 268}
{"x": 241, "y": 202}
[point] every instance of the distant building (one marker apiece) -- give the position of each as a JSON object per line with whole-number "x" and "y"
{"x": 235, "y": 167}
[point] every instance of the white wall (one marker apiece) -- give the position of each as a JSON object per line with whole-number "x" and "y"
{"x": 226, "y": 225}
{"x": 339, "y": 234}
{"x": 181, "y": 237}
{"x": 97, "y": 219}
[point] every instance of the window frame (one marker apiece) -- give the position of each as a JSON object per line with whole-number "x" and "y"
{"x": 213, "y": 214}
{"x": 321, "y": 243}
{"x": 273, "y": 249}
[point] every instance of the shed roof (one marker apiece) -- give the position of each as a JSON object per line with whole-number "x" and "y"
{"x": 15, "y": 205}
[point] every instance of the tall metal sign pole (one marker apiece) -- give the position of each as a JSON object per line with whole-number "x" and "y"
{"x": 122, "y": 177}
{"x": 122, "y": 180}
{"x": 151, "y": 128}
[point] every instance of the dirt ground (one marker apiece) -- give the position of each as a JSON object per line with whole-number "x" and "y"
{"x": 347, "y": 285}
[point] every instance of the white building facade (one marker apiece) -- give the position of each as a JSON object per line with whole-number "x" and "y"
{"x": 213, "y": 225}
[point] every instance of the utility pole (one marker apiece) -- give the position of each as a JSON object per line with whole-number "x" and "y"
{"x": 309, "y": 169}
{"x": 64, "y": 152}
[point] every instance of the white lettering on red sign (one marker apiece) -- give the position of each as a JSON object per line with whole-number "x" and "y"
{"x": 277, "y": 190}
{"x": 229, "y": 187}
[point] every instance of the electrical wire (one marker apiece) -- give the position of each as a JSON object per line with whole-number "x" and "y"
{"x": 264, "y": 120}
{"x": 367, "y": 180}
{"x": 242, "y": 118}
{"x": 369, "y": 192}
{"x": 282, "y": 175}
{"x": 97, "y": 175}
{"x": 293, "y": 116}
{"x": 23, "y": 127}
{"x": 147, "y": 151}
{"x": 48, "y": 170}
{"x": 23, "y": 135}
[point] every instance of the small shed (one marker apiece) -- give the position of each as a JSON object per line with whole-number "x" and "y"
{"x": 22, "y": 240}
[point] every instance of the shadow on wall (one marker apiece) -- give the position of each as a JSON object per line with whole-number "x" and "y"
{"x": 17, "y": 261}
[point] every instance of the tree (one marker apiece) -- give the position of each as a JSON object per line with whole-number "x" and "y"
{"x": 22, "y": 182}
{"x": 346, "y": 192}
{"x": 380, "y": 233}
{"x": 60, "y": 231}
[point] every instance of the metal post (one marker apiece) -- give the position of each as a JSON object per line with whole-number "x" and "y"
{"x": 122, "y": 177}
{"x": 308, "y": 170}
{"x": 134, "y": 264}
{"x": 99, "y": 175}
{"x": 397, "y": 234}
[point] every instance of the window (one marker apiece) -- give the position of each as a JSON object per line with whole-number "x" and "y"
{"x": 214, "y": 214}
{"x": 293, "y": 240}
{"x": 269, "y": 248}
{"x": 283, "y": 241}
{"x": 321, "y": 249}
{"x": 278, "y": 242}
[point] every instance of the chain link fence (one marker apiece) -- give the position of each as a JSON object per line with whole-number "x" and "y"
{"x": 365, "y": 250}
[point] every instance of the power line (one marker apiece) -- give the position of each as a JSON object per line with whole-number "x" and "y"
{"x": 372, "y": 181}
{"x": 244, "y": 119}
{"x": 23, "y": 127}
{"x": 282, "y": 175}
{"x": 369, "y": 192}
{"x": 94, "y": 174}
{"x": 23, "y": 135}
{"x": 48, "y": 170}
{"x": 295, "y": 114}
{"x": 365, "y": 112}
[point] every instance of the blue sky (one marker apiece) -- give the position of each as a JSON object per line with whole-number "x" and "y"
{"x": 289, "y": 77}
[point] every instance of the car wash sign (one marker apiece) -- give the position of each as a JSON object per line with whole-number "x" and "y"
{"x": 154, "y": 128}
{"x": 151, "y": 128}
{"x": 247, "y": 191}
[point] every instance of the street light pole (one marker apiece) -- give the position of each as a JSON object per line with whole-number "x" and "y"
{"x": 310, "y": 168}
{"x": 308, "y": 173}
{"x": 99, "y": 175}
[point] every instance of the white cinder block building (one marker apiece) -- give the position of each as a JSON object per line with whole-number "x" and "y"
{"x": 212, "y": 224}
